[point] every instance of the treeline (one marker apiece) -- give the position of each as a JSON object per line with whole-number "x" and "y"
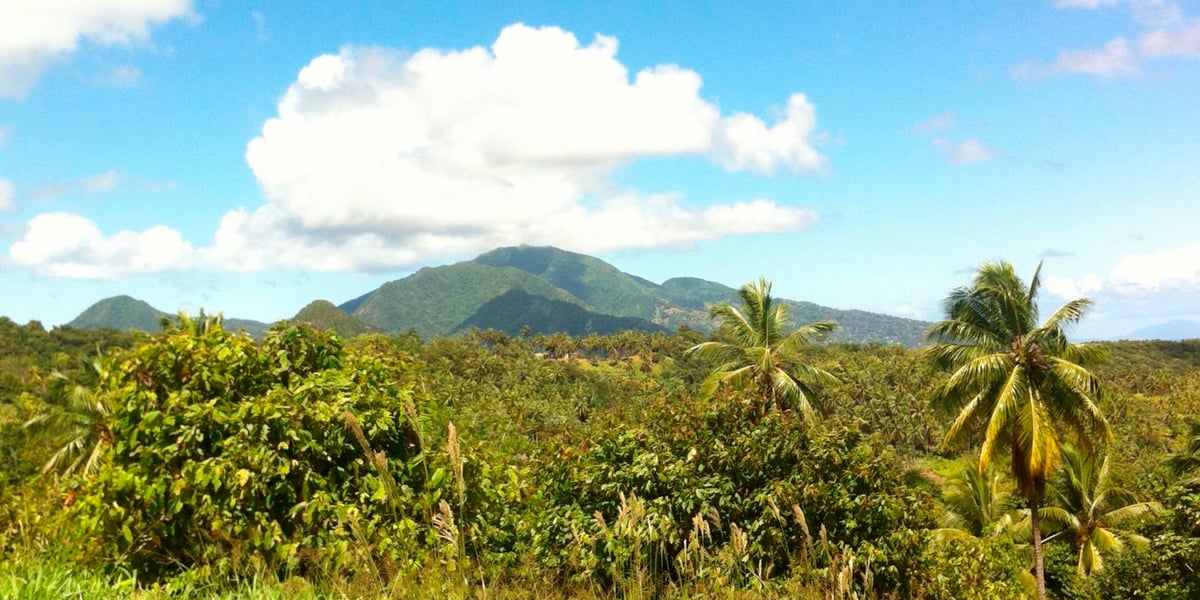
{"x": 496, "y": 465}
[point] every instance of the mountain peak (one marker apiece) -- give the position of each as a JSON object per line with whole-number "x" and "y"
{"x": 122, "y": 313}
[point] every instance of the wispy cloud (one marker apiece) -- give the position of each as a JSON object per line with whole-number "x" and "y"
{"x": 1054, "y": 253}
{"x": 8, "y": 195}
{"x": 962, "y": 152}
{"x": 261, "y": 32}
{"x": 935, "y": 124}
{"x": 36, "y": 34}
{"x": 1119, "y": 57}
{"x": 1184, "y": 42}
{"x": 1113, "y": 60}
{"x": 119, "y": 76}
{"x": 971, "y": 151}
{"x": 95, "y": 184}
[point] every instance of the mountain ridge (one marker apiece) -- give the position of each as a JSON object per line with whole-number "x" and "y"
{"x": 548, "y": 289}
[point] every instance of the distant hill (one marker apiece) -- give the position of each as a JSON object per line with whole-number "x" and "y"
{"x": 444, "y": 300}
{"x": 435, "y": 301}
{"x": 1172, "y": 331}
{"x": 323, "y": 315}
{"x": 122, "y": 313}
{"x": 513, "y": 310}
{"x": 548, "y": 289}
{"x": 597, "y": 283}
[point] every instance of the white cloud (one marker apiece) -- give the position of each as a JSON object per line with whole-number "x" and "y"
{"x": 8, "y": 195}
{"x": 1157, "y": 284}
{"x": 1115, "y": 59}
{"x": 33, "y": 33}
{"x": 971, "y": 151}
{"x": 69, "y": 245}
{"x": 1181, "y": 42}
{"x": 908, "y": 311}
{"x": 1157, "y": 269}
{"x": 378, "y": 159}
{"x": 1067, "y": 288}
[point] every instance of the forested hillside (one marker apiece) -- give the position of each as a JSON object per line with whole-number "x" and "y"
{"x": 307, "y": 465}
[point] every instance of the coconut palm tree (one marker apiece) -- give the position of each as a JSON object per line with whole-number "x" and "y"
{"x": 79, "y": 416}
{"x": 757, "y": 354}
{"x": 1023, "y": 384}
{"x": 1187, "y": 460}
{"x": 974, "y": 504}
{"x": 1091, "y": 512}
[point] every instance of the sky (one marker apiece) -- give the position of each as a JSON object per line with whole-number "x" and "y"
{"x": 249, "y": 157}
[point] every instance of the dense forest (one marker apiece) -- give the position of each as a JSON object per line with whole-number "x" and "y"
{"x": 756, "y": 461}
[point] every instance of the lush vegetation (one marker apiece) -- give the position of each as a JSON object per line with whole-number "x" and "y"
{"x": 510, "y": 466}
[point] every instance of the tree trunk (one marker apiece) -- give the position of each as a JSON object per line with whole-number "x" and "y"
{"x": 1039, "y": 571}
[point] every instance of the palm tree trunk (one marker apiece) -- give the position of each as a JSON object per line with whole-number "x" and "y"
{"x": 1039, "y": 571}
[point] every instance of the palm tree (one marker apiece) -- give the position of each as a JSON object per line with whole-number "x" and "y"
{"x": 197, "y": 326}
{"x": 1023, "y": 383}
{"x": 79, "y": 416}
{"x": 974, "y": 504}
{"x": 1090, "y": 511}
{"x": 760, "y": 357}
{"x": 1187, "y": 460}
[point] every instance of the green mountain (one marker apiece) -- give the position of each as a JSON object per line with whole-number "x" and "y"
{"x": 511, "y": 311}
{"x": 122, "y": 313}
{"x": 435, "y": 300}
{"x": 599, "y": 284}
{"x": 547, "y": 289}
{"x": 256, "y": 329}
{"x": 322, "y": 314}
{"x": 445, "y": 300}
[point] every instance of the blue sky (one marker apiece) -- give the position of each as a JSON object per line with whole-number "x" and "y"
{"x": 249, "y": 157}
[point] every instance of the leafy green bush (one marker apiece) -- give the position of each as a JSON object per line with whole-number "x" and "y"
{"x": 723, "y": 492}
{"x": 970, "y": 568}
{"x": 234, "y": 455}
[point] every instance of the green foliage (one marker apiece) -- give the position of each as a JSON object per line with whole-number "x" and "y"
{"x": 514, "y": 309}
{"x": 435, "y": 301}
{"x": 1092, "y": 514}
{"x": 226, "y": 451}
{"x": 595, "y": 282}
{"x": 756, "y": 353}
{"x": 323, "y": 315}
{"x": 1166, "y": 569}
{"x": 547, "y": 465}
{"x": 969, "y": 568}
{"x": 764, "y": 498}
{"x": 1023, "y": 383}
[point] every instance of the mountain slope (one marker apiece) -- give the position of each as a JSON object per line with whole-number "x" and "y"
{"x": 435, "y": 301}
{"x": 121, "y": 313}
{"x": 124, "y": 313}
{"x": 599, "y": 284}
{"x": 511, "y": 311}
{"x": 322, "y": 314}
{"x": 443, "y": 300}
